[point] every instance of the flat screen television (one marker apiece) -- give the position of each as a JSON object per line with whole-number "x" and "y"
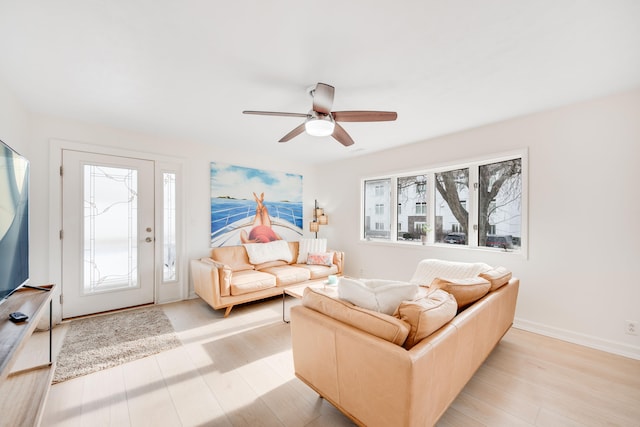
{"x": 14, "y": 221}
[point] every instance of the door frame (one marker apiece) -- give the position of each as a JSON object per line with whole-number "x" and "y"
{"x": 163, "y": 291}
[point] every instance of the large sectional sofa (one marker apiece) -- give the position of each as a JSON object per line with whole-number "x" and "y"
{"x": 403, "y": 369}
{"x": 233, "y": 275}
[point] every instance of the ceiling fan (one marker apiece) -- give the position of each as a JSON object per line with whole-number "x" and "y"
{"x": 321, "y": 121}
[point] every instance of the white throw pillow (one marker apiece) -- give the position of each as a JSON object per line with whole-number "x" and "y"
{"x": 264, "y": 252}
{"x": 382, "y": 296}
{"x": 429, "y": 269}
{"x": 310, "y": 245}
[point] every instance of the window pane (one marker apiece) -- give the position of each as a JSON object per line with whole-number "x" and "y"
{"x": 169, "y": 224}
{"x": 377, "y": 209}
{"x": 500, "y": 203}
{"x": 110, "y": 229}
{"x": 452, "y": 217}
{"x": 412, "y": 207}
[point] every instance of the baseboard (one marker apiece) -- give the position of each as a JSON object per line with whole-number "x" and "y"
{"x": 620, "y": 349}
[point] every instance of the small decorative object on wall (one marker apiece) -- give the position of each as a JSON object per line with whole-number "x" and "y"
{"x": 254, "y": 206}
{"x": 319, "y": 218}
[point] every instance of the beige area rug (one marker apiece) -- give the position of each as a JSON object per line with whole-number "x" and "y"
{"x": 101, "y": 342}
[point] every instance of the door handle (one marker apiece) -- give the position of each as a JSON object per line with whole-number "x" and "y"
{"x": 148, "y": 240}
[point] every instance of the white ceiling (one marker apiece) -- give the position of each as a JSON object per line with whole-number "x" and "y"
{"x": 186, "y": 69}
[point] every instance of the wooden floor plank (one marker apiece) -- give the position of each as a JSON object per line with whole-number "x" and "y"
{"x": 148, "y": 397}
{"x": 238, "y": 371}
{"x": 195, "y": 403}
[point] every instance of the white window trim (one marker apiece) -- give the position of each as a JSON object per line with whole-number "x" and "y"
{"x": 473, "y": 164}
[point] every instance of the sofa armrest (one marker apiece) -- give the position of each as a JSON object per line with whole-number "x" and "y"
{"x": 338, "y": 260}
{"x": 364, "y": 376}
{"x": 211, "y": 280}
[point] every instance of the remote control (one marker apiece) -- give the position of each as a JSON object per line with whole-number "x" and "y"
{"x": 18, "y": 316}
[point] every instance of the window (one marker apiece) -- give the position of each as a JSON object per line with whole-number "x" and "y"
{"x": 411, "y": 195}
{"x": 452, "y": 191}
{"x": 499, "y": 204}
{"x": 377, "y": 209}
{"x": 475, "y": 204}
{"x": 169, "y": 225}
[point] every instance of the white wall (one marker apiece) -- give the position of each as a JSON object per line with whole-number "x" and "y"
{"x": 13, "y": 121}
{"x": 580, "y": 281}
{"x": 45, "y": 130}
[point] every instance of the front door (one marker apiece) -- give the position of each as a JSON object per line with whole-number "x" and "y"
{"x": 108, "y": 232}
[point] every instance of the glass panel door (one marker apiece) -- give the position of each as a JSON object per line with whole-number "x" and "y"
{"x": 108, "y": 229}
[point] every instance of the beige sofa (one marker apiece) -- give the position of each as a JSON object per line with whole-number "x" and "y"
{"x": 359, "y": 364}
{"x": 228, "y": 278}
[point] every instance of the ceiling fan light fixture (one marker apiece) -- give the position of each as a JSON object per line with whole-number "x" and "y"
{"x": 319, "y": 126}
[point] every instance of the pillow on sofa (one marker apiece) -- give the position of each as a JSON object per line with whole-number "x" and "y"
{"x": 498, "y": 277}
{"x": 264, "y": 252}
{"x": 380, "y": 296}
{"x": 429, "y": 269}
{"x": 320, "y": 258}
{"x": 465, "y": 291}
{"x": 426, "y": 315}
{"x": 310, "y": 245}
{"x": 388, "y": 328}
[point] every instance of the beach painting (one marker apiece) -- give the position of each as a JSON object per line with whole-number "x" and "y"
{"x": 253, "y": 205}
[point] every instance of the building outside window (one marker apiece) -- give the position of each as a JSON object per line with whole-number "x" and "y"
{"x": 477, "y": 204}
{"x": 377, "y": 211}
{"x": 411, "y": 197}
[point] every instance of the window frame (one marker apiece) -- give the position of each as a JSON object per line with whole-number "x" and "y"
{"x": 472, "y": 202}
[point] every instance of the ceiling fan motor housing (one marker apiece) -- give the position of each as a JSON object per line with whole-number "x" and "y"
{"x": 318, "y": 124}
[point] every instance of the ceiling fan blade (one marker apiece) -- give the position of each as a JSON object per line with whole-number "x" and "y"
{"x": 341, "y": 135}
{"x": 297, "y": 131}
{"x": 364, "y": 116}
{"x": 323, "y": 98}
{"x": 274, "y": 113}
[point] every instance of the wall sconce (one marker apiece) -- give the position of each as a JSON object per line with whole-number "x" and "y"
{"x": 319, "y": 218}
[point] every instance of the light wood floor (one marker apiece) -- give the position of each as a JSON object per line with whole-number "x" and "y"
{"x": 239, "y": 372}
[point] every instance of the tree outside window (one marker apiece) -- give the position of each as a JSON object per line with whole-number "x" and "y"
{"x": 500, "y": 201}
{"x": 451, "y": 210}
{"x": 486, "y": 213}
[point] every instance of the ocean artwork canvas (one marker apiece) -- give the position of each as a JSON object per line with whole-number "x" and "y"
{"x": 253, "y": 205}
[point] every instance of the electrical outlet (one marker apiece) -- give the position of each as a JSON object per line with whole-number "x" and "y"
{"x": 631, "y": 327}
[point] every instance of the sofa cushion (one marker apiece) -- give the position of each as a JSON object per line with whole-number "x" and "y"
{"x": 247, "y": 281}
{"x": 310, "y": 245}
{"x": 426, "y": 315}
{"x": 498, "y": 276}
{"x": 241, "y": 267}
{"x": 465, "y": 291}
{"x": 380, "y": 325}
{"x": 288, "y": 274}
{"x": 319, "y": 271}
{"x": 271, "y": 251}
{"x": 383, "y": 296}
{"x": 230, "y": 255}
{"x": 268, "y": 264}
{"x": 429, "y": 269}
{"x": 320, "y": 258}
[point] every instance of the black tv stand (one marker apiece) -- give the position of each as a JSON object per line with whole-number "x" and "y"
{"x": 39, "y": 288}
